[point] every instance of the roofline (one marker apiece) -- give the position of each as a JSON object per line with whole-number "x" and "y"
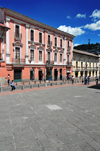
{"x": 84, "y": 53}
{"x": 37, "y": 23}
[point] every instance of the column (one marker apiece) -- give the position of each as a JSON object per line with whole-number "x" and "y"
{"x": 65, "y": 51}
{"x": 7, "y": 42}
{"x": 58, "y": 74}
{"x": 27, "y": 27}
{"x": 45, "y": 74}
{"x": 52, "y": 74}
{"x": 3, "y": 47}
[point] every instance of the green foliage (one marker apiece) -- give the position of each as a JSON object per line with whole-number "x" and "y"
{"x": 88, "y": 47}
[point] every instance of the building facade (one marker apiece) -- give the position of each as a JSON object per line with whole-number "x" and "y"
{"x": 85, "y": 63}
{"x": 31, "y": 50}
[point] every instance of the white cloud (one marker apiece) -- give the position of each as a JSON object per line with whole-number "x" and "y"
{"x": 76, "y": 45}
{"x": 74, "y": 31}
{"x": 95, "y": 15}
{"x": 93, "y": 26}
{"x": 81, "y": 16}
{"x": 98, "y": 34}
{"x": 68, "y": 17}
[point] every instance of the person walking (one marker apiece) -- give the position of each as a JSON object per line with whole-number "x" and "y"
{"x": 85, "y": 80}
{"x": 8, "y": 79}
{"x": 13, "y": 85}
{"x": 88, "y": 79}
{"x": 96, "y": 79}
{"x": 72, "y": 79}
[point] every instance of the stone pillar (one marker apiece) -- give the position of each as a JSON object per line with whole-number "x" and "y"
{"x": 65, "y": 51}
{"x": 27, "y": 27}
{"x": 52, "y": 74}
{"x": 58, "y": 74}
{"x": 45, "y": 74}
{"x": 3, "y": 48}
{"x": 7, "y": 42}
{"x": 99, "y": 67}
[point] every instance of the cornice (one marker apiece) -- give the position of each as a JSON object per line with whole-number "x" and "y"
{"x": 37, "y": 23}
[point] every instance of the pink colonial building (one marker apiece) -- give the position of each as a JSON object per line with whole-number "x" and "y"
{"x": 32, "y": 50}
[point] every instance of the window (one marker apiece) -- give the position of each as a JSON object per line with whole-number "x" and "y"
{"x": 90, "y": 65}
{"x": 55, "y": 41}
{"x": 68, "y": 44}
{"x": 32, "y": 55}
{"x": 48, "y": 39}
{"x": 32, "y": 35}
{"x": 40, "y": 55}
{"x": 81, "y": 65}
{"x": 76, "y": 64}
{"x": 60, "y": 58}
{"x": 17, "y": 53}
{"x": 40, "y": 37}
{"x": 61, "y": 43}
{"x": 17, "y": 31}
{"x": 48, "y": 56}
{"x": 55, "y": 57}
{"x": 67, "y": 58}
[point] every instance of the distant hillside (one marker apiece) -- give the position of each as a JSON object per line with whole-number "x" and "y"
{"x": 93, "y": 48}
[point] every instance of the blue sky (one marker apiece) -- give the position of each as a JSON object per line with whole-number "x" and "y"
{"x": 80, "y": 18}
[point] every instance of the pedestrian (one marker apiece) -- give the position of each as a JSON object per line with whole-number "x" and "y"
{"x": 8, "y": 79}
{"x": 82, "y": 80}
{"x": 88, "y": 79}
{"x": 72, "y": 79}
{"x": 85, "y": 80}
{"x": 96, "y": 79}
{"x": 13, "y": 85}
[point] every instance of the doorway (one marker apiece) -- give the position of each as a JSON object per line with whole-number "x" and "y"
{"x": 55, "y": 74}
{"x": 32, "y": 74}
{"x": 17, "y": 75}
{"x": 49, "y": 74}
{"x": 60, "y": 74}
{"x": 40, "y": 74}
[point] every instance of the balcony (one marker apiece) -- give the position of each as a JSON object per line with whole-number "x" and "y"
{"x": 69, "y": 64}
{"x": 49, "y": 63}
{"x": 18, "y": 36}
{"x": 18, "y": 62}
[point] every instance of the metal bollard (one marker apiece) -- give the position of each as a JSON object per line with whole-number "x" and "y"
{"x": 22, "y": 87}
{"x": 30, "y": 86}
{"x": 45, "y": 84}
{"x": 16, "y": 83}
{"x": 29, "y": 82}
{"x": 60, "y": 83}
{"x": 0, "y": 89}
{"x": 51, "y": 84}
{"x": 38, "y": 85}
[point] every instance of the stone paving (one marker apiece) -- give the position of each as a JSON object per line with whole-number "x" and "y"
{"x": 64, "y": 118}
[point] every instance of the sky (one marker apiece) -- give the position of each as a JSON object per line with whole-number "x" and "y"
{"x": 77, "y": 17}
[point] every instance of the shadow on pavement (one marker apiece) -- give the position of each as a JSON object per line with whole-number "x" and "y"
{"x": 95, "y": 86}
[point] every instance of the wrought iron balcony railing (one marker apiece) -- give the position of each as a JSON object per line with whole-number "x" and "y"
{"x": 49, "y": 62}
{"x": 18, "y": 61}
{"x": 69, "y": 63}
{"x": 18, "y": 36}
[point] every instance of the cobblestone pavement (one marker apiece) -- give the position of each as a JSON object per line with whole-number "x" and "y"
{"x": 64, "y": 118}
